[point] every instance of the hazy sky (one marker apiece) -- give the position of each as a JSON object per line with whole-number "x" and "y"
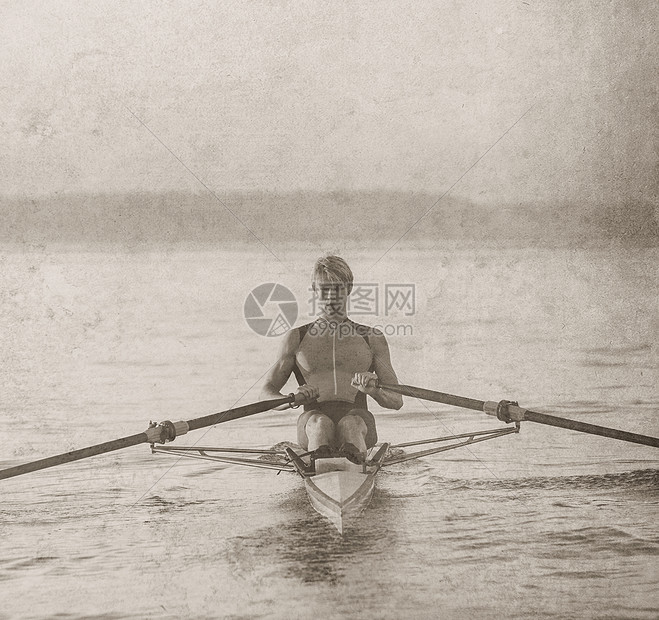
{"x": 327, "y": 95}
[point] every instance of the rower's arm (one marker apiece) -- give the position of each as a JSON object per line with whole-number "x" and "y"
{"x": 385, "y": 372}
{"x": 281, "y": 370}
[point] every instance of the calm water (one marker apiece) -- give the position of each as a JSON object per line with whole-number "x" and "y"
{"x": 548, "y": 523}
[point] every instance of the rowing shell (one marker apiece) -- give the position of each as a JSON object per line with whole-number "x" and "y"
{"x": 338, "y": 489}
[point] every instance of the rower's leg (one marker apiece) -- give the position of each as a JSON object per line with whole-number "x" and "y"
{"x": 352, "y": 429}
{"x": 318, "y": 430}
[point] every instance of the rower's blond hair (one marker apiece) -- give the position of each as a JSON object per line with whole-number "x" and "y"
{"x": 332, "y": 269}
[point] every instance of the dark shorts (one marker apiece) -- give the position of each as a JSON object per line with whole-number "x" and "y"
{"x": 335, "y": 410}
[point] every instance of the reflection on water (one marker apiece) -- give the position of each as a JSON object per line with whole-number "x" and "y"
{"x": 320, "y": 554}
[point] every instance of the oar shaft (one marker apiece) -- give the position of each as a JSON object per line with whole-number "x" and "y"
{"x": 238, "y": 412}
{"x": 593, "y": 429}
{"x": 74, "y": 455}
{"x": 518, "y": 414}
{"x": 155, "y": 434}
{"x": 437, "y": 397}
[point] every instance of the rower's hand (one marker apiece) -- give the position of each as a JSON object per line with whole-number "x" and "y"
{"x": 305, "y": 394}
{"x": 365, "y": 382}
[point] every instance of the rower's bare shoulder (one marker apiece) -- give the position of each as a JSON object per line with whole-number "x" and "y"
{"x": 382, "y": 357}
{"x": 290, "y": 342}
{"x": 378, "y": 340}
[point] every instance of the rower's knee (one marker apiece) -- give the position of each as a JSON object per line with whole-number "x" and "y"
{"x": 314, "y": 429}
{"x": 319, "y": 425}
{"x": 351, "y": 425}
{"x": 352, "y": 429}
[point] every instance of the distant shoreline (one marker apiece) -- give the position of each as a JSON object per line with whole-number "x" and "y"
{"x": 194, "y": 221}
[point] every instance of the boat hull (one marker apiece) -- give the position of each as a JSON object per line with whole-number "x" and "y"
{"x": 337, "y": 488}
{"x": 341, "y": 495}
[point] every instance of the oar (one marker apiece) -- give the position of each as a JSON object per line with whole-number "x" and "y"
{"x": 156, "y": 433}
{"x": 508, "y": 411}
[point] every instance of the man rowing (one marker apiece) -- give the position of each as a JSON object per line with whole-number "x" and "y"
{"x": 337, "y": 363}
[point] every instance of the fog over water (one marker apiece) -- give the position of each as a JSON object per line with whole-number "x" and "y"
{"x": 511, "y": 102}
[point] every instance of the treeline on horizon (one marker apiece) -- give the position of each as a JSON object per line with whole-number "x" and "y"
{"x": 144, "y": 219}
